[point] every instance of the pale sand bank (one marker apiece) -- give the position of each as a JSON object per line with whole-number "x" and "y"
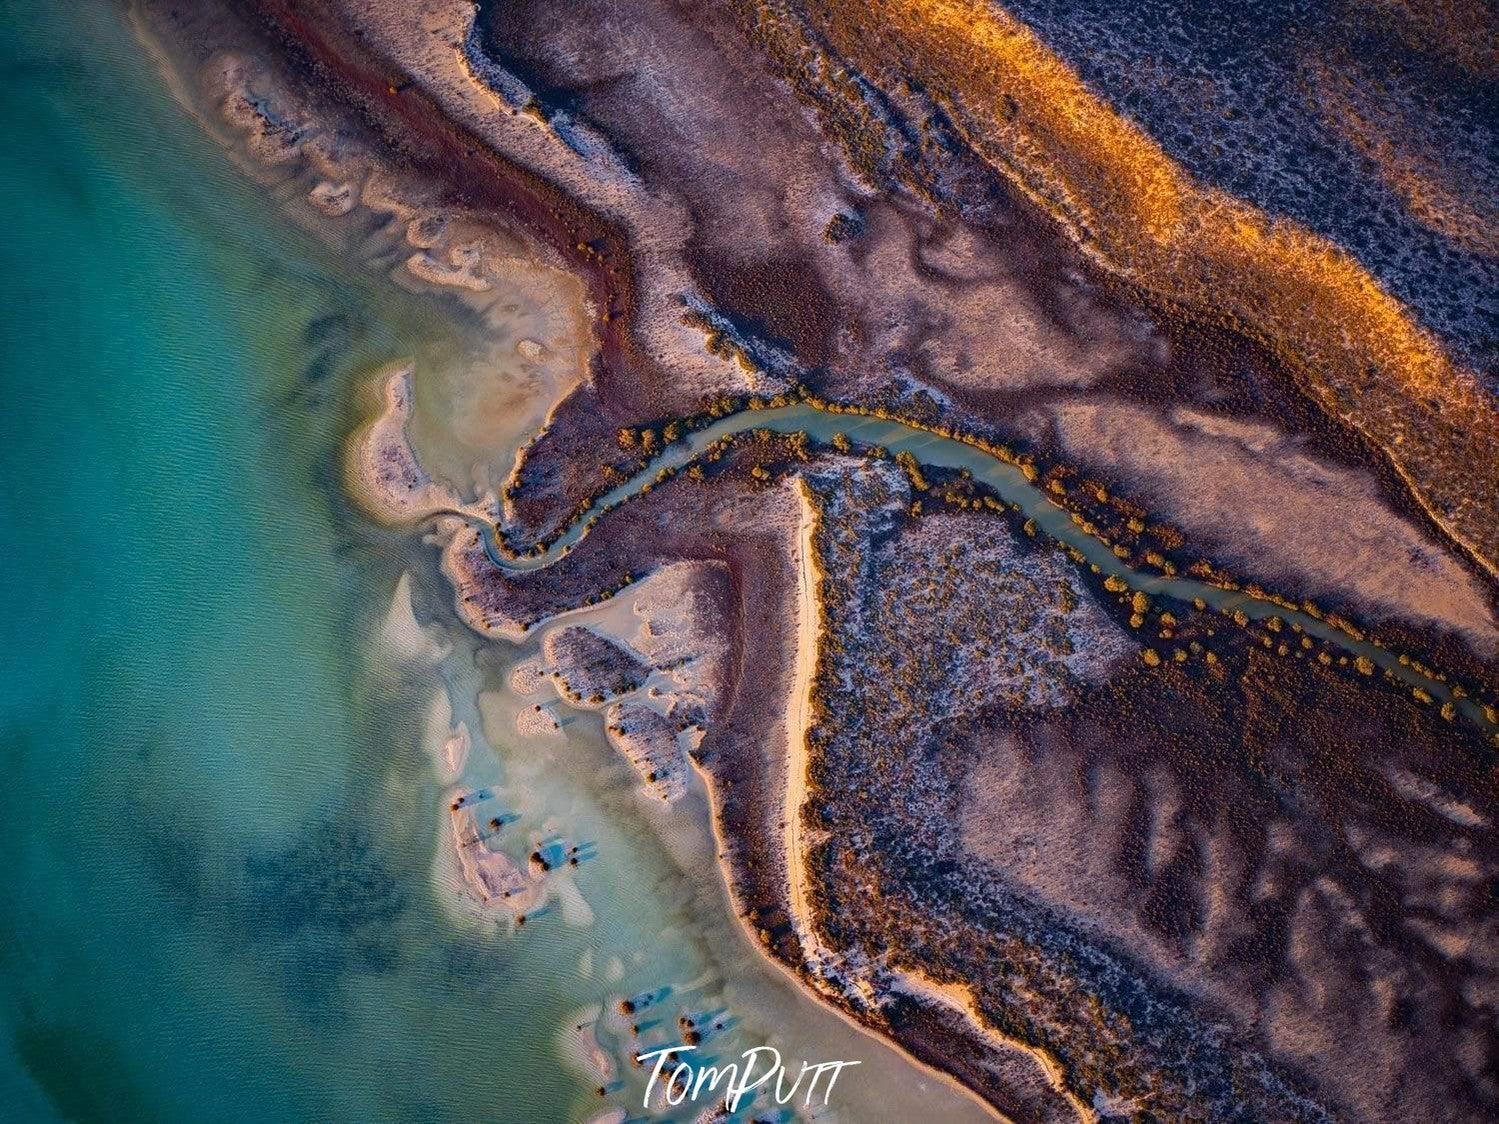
{"x": 383, "y": 474}
{"x": 446, "y": 744}
{"x": 455, "y": 749}
{"x": 494, "y": 879}
{"x": 578, "y": 1044}
{"x": 457, "y": 267}
{"x": 333, "y": 199}
{"x": 538, "y": 721}
{"x": 574, "y": 907}
{"x": 798, "y": 711}
{"x": 1023, "y": 1066}
{"x": 529, "y": 676}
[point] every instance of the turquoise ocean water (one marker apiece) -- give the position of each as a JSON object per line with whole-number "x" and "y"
{"x": 218, "y": 820}
{"x": 217, "y": 826}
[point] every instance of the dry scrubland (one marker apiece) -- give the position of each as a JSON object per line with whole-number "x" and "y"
{"x": 1114, "y": 853}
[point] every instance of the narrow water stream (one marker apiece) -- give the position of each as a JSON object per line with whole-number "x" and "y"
{"x": 935, "y": 451}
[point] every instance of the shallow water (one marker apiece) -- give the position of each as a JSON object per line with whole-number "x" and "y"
{"x": 227, "y": 886}
{"x": 217, "y": 901}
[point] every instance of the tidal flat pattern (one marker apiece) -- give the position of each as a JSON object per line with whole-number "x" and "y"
{"x": 952, "y": 536}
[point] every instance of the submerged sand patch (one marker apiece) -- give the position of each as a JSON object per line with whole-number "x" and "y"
{"x": 525, "y": 324}
{"x": 473, "y": 415}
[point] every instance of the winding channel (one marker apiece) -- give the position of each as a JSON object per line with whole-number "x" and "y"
{"x": 935, "y": 451}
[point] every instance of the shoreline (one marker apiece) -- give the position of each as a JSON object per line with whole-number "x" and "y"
{"x": 802, "y": 528}
{"x": 808, "y": 986}
{"x": 805, "y": 603}
{"x": 387, "y": 478}
{"x": 381, "y": 472}
{"x": 808, "y": 611}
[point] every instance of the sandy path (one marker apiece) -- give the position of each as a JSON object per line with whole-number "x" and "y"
{"x": 1048, "y": 1074}
{"x": 797, "y": 713}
